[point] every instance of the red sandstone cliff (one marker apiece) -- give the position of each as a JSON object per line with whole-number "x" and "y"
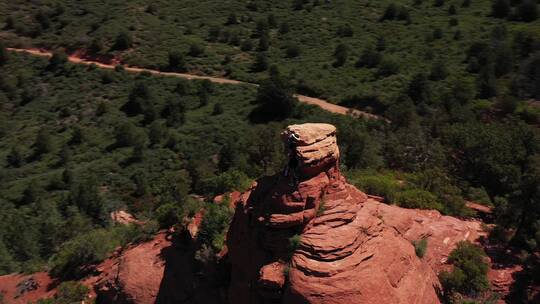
{"x": 351, "y": 249}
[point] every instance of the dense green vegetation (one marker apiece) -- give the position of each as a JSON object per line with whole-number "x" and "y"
{"x": 78, "y": 142}
{"x": 359, "y": 52}
{"x": 469, "y": 275}
{"x": 67, "y": 293}
{"x": 459, "y": 81}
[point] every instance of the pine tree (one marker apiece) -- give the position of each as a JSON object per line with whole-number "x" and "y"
{"x": 261, "y": 62}
{"x": 340, "y": 54}
{"x": 4, "y": 56}
{"x": 176, "y": 61}
{"x": 142, "y": 187}
{"x": 500, "y": 8}
{"x": 123, "y": 41}
{"x": 65, "y": 155}
{"x": 15, "y": 157}
{"x": 487, "y": 82}
{"x": 43, "y": 143}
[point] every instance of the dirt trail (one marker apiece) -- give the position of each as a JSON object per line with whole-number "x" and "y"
{"x": 330, "y": 107}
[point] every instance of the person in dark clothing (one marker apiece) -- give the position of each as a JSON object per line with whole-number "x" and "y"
{"x": 292, "y": 164}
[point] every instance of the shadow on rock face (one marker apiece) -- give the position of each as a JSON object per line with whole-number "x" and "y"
{"x": 163, "y": 270}
{"x": 186, "y": 280}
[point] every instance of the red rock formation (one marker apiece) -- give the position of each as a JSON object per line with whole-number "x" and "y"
{"x": 345, "y": 252}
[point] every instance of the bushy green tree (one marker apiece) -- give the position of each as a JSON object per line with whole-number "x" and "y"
{"x": 58, "y": 59}
{"x": 218, "y": 109}
{"x": 390, "y": 12}
{"x": 43, "y": 143}
{"x": 123, "y": 41}
{"x": 96, "y": 46}
{"x": 64, "y": 156}
{"x": 213, "y": 227}
{"x": 487, "y": 82}
{"x": 83, "y": 250}
{"x": 196, "y": 50}
{"x": 141, "y": 100}
{"x": 387, "y": 67}
{"x": 419, "y": 89}
{"x": 77, "y": 136}
{"x": 84, "y": 194}
{"x": 232, "y": 19}
{"x": 177, "y": 61}
{"x": 292, "y": 51}
{"x": 156, "y": 133}
{"x": 264, "y": 42}
{"x": 528, "y": 78}
{"x": 141, "y": 183}
{"x": 470, "y": 270}
{"x": 174, "y": 112}
{"x": 127, "y": 134}
{"x": 4, "y": 56}
{"x": 500, "y": 8}
{"x": 341, "y": 54}
{"x": 439, "y": 71}
{"x": 527, "y": 10}
{"x": 369, "y": 58}
{"x": 15, "y": 157}
{"x": 275, "y": 99}
{"x": 261, "y": 62}
{"x": 70, "y": 292}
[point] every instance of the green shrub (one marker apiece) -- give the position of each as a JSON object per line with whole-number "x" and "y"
{"x": 294, "y": 242}
{"x": 381, "y": 185}
{"x": 469, "y": 275}
{"x": 214, "y": 225}
{"x": 168, "y": 215}
{"x": 420, "y": 247}
{"x": 417, "y": 198}
{"x": 226, "y": 181}
{"x": 322, "y": 208}
{"x": 70, "y": 292}
{"x": 85, "y": 249}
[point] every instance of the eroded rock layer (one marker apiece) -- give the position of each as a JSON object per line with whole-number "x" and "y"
{"x": 317, "y": 242}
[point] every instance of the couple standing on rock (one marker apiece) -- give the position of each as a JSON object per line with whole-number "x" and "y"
{"x": 292, "y": 165}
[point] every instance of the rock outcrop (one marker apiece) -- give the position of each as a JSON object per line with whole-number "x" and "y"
{"x": 321, "y": 241}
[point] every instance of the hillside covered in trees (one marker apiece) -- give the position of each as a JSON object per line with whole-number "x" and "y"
{"x": 458, "y": 81}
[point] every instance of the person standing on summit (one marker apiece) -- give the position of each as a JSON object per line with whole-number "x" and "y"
{"x": 292, "y": 165}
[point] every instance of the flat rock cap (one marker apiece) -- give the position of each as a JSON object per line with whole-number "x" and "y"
{"x": 310, "y": 133}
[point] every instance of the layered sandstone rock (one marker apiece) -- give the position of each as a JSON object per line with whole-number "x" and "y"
{"x": 345, "y": 252}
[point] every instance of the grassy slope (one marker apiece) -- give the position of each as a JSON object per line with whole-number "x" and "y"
{"x": 313, "y": 29}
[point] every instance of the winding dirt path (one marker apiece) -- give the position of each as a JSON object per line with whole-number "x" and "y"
{"x": 325, "y": 105}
